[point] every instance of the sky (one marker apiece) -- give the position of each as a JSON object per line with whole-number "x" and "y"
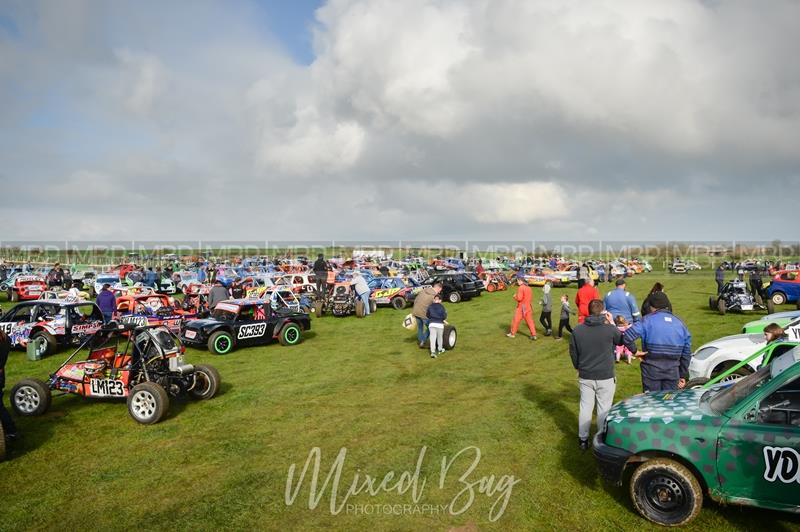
{"x": 413, "y": 120}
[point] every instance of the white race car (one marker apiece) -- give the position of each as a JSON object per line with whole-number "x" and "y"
{"x": 715, "y": 357}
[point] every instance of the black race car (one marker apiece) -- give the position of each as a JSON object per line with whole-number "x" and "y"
{"x": 457, "y": 286}
{"x": 736, "y": 297}
{"x": 245, "y": 322}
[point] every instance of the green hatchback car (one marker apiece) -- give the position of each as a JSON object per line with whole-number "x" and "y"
{"x": 737, "y": 442}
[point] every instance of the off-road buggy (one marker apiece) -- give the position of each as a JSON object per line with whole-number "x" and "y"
{"x": 342, "y": 300}
{"x": 143, "y": 364}
{"x": 494, "y": 281}
{"x": 245, "y": 322}
{"x": 735, "y": 296}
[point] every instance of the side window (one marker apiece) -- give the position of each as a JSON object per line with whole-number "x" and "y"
{"x": 782, "y": 407}
{"x": 24, "y": 314}
{"x": 246, "y": 313}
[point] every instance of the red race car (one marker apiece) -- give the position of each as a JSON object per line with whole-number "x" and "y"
{"x": 151, "y": 309}
{"x": 26, "y": 287}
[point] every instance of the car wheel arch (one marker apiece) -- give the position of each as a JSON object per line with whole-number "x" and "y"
{"x": 640, "y": 458}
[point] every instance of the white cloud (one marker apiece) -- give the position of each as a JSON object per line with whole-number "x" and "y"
{"x": 143, "y": 79}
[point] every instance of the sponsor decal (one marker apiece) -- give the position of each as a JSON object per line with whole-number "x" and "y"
{"x": 138, "y": 321}
{"x": 86, "y": 328}
{"x": 782, "y": 463}
{"x": 252, "y": 331}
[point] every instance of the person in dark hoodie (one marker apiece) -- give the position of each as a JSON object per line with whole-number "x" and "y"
{"x": 436, "y": 316}
{"x": 591, "y": 347}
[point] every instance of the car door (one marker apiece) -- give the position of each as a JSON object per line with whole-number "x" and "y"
{"x": 249, "y": 329}
{"x": 16, "y": 322}
{"x": 758, "y": 452}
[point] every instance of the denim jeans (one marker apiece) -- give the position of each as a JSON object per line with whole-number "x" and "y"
{"x": 422, "y": 331}
{"x": 365, "y": 299}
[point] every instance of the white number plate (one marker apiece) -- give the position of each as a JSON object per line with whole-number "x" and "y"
{"x": 107, "y": 388}
{"x": 190, "y": 334}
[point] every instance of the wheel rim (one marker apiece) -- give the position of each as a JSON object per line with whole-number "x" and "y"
{"x": 143, "y": 405}
{"x": 202, "y": 383}
{"x": 451, "y": 339}
{"x": 222, "y": 344}
{"x": 453, "y": 297}
{"x": 731, "y": 378}
{"x": 27, "y": 399}
{"x": 291, "y": 335}
{"x": 664, "y": 494}
{"x": 777, "y": 299}
{"x": 42, "y": 347}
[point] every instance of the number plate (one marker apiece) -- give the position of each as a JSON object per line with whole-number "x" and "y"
{"x": 747, "y": 307}
{"x": 107, "y": 388}
{"x": 190, "y": 334}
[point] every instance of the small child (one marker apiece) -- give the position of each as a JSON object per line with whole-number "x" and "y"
{"x": 564, "y": 321}
{"x": 622, "y": 326}
{"x": 436, "y": 316}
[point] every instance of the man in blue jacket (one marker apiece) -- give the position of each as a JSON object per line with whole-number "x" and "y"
{"x": 666, "y": 347}
{"x": 620, "y": 302}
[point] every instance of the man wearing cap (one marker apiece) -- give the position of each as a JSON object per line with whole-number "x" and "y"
{"x": 107, "y": 302}
{"x": 620, "y": 302}
{"x": 666, "y": 347}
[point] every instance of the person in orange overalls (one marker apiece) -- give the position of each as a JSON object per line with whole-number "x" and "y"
{"x": 523, "y": 298}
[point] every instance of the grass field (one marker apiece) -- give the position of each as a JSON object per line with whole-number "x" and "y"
{"x": 362, "y": 385}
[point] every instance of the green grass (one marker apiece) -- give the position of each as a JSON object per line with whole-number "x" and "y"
{"x": 359, "y": 384}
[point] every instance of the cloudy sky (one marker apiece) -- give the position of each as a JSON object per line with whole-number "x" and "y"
{"x": 386, "y": 119}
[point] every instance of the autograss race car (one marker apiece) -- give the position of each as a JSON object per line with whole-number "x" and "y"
{"x": 245, "y": 322}
{"x": 341, "y": 300}
{"x": 56, "y": 322}
{"x": 739, "y": 443}
{"x": 143, "y": 364}
{"x": 393, "y": 291}
{"x": 25, "y": 287}
{"x": 782, "y": 319}
{"x": 151, "y": 309}
{"x": 785, "y": 288}
{"x": 736, "y": 297}
{"x": 457, "y": 286}
{"x": 724, "y": 354}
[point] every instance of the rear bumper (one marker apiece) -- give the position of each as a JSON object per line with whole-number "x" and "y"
{"x": 610, "y": 460}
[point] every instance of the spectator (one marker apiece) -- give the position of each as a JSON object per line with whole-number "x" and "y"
{"x": 601, "y": 272}
{"x": 774, "y": 333}
{"x": 583, "y": 275}
{"x": 585, "y": 295}
{"x": 27, "y": 267}
{"x": 384, "y": 269}
{"x": 756, "y": 283}
{"x": 523, "y": 298}
{"x": 591, "y": 348}
{"x": 151, "y": 279}
{"x": 321, "y": 268}
{"x": 9, "y": 428}
{"x": 620, "y": 302}
{"x": 107, "y": 302}
{"x": 622, "y": 326}
{"x": 420, "y": 311}
{"x": 436, "y": 315}
{"x": 666, "y": 347}
{"x": 201, "y": 275}
{"x": 66, "y": 278}
{"x": 647, "y": 306}
{"x": 719, "y": 276}
{"x": 479, "y": 268}
{"x": 362, "y": 290}
{"x": 563, "y": 322}
{"x": 217, "y": 294}
{"x": 546, "y": 316}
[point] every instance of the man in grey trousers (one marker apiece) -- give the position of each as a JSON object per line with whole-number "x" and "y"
{"x": 591, "y": 347}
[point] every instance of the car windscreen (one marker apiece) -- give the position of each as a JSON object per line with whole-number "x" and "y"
{"x": 88, "y": 311}
{"x": 720, "y": 400}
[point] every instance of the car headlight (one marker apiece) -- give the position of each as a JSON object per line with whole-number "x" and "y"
{"x": 705, "y": 352}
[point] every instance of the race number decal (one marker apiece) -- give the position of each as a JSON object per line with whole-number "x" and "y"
{"x": 252, "y": 331}
{"x": 138, "y": 321}
{"x": 794, "y": 333}
{"x": 782, "y": 463}
{"x": 107, "y": 388}
{"x": 7, "y": 327}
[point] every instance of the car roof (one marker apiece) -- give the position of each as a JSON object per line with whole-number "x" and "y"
{"x": 785, "y": 361}
{"x": 60, "y": 302}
